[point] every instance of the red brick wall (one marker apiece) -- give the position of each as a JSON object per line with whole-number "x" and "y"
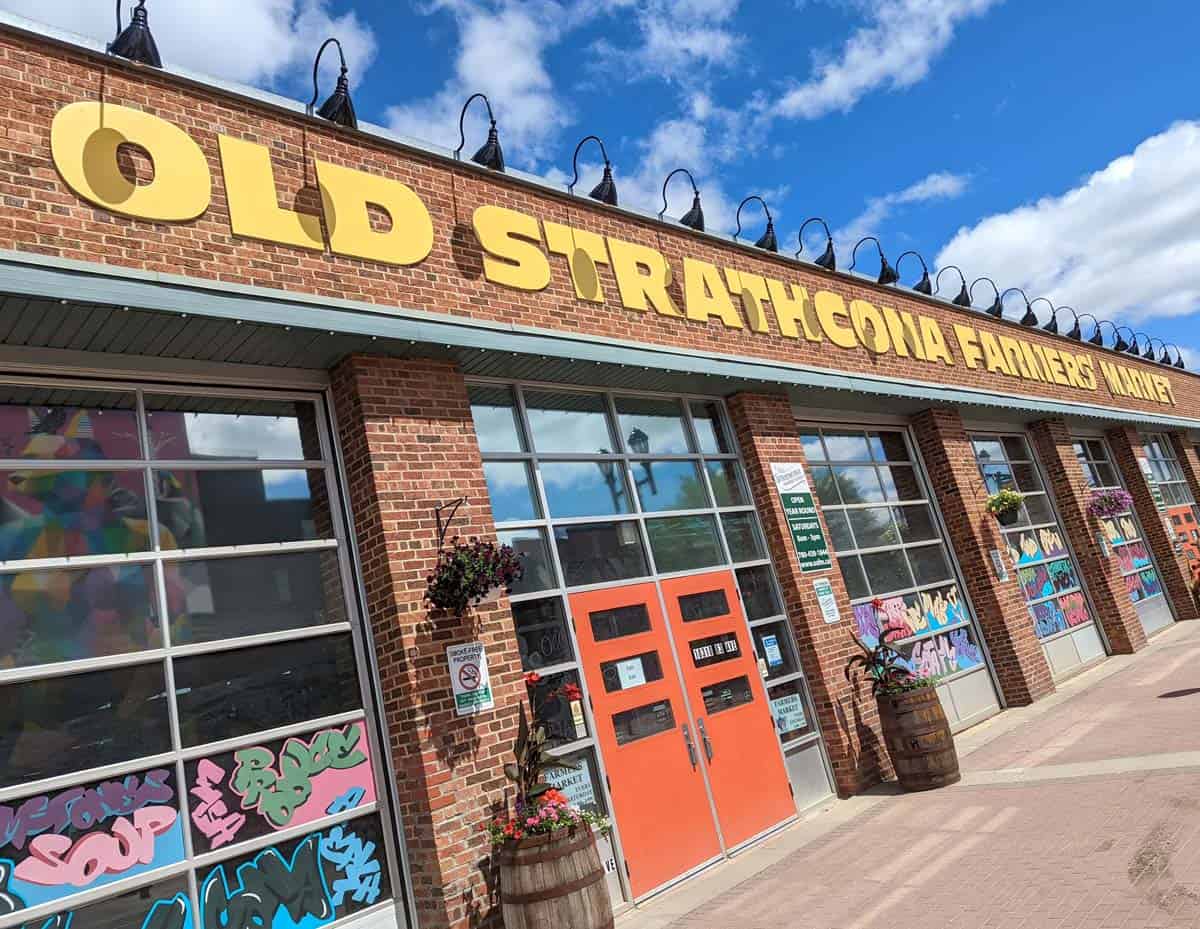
{"x": 43, "y": 216}
{"x": 409, "y": 443}
{"x": 1007, "y": 627}
{"x": 1173, "y": 568}
{"x": 1101, "y": 573}
{"x": 766, "y": 432}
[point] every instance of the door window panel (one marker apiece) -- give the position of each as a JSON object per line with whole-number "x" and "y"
{"x": 224, "y": 598}
{"x": 542, "y": 635}
{"x": 707, "y": 604}
{"x": 227, "y": 694}
{"x": 68, "y": 615}
{"x": 726, "y": 695}
{"x": 619, "y": 622}
{"x": 641, "y": 722}
{"x": 1035, "y": 542}
{"x": 56, "y": 725}
{"x": 592, "y": 553}
{"x": 634, "y": 671}
{"x": 683, "y": 543}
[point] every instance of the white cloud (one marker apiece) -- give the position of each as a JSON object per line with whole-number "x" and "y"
{"x": 677, "y": 40}
{"x": 893, "y": 51}
{"x": 501, "y": 53}
{"x": 1124, "y": 244}
{"x": 941, "y": 185}
{"x": 251, "y": 41}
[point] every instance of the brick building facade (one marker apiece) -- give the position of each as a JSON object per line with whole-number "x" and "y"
{"x": 276, "y": 353}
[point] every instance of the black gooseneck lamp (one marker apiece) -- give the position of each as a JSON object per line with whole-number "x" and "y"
{"x": 1051, "y": 325}
{"x": 606, "y": 190}
{"x": 490, "y": 154}
{"x": 997, "y": 307}
{"x": 1164, "y": 358}
{"x": 964, "y": 295}
{"x": 339, "y": 108}
{"x": 767, "y": 240}
{"x": 1095, "y": 331}
{"x": 1133, "y": 346}
{"x": 1098, "y": 336}
{"x": 887, "y": 274}
{"x": 828, "y": 259}
{"x": 1148, "y": 351}
{"x": 1120, "y": 345}
{"x": 1030, "y": 317}
{"x": 693, "y": 218}
{"x": 924, "y": 285}
{"x": 135, "y": 41}
{"x": 1178, "y": 355}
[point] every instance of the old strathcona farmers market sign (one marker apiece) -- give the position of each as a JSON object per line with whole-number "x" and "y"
{"x": 86, "y": 137}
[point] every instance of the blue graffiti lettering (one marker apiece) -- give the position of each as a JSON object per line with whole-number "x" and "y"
{"x": 347, "y": 801}
{"x": 356, "y": 861}
{"x": 266, "y": 885}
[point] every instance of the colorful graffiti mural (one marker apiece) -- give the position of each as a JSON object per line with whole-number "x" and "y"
{"x": 54, "y": 845}
{"x": 1143, "y": 585}
{"x": 1132, "y": 557}
{"x": 1030, "y": 545}
{"x": 922, "y": 613}
{"x": 1058, "y": 615}
{"x": 160, "y": 906}
{"x": 1120, "y": 529}
{"x": 1045, "y": 580}
{"x": 302, "y": 884}
{"x": 259, "y": 789}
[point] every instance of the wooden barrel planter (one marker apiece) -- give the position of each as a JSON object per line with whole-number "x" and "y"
{"x": 918, "y": 739}
{"x": 554, "y": 882}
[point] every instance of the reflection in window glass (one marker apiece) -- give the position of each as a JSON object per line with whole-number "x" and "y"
{"x": 839, "y": 530}
{"x": 759, "y": 597}
{"x": 888, "y": 446}
{"x": 495, "y": 415}
{"x": 683, "y": 543}
{"x": 128, "y": 910}
{"x": 228, "y": 694}
{"x": 858, "y": 485}
{"x": 641, "y": 722}
{"x": 105, "y": 430}
{"x": 846, "y": 445}
{"x": 184, "y": 428}
{"x": 592, "y": 553}
{"x": 825, "y": 487}
{"x": 57, "y": 725}
{"x": 558, "y": 700}
{"x": 852, "y": 574}
{"x": 813, "y": 449}
{"x": 741, "y": 534}
{"x": 773, "y": 644}
{"x": 726, "y": 695}
{"x": 214, "y": 508}
{"x": 585, "y": 488}
{"x": 887, "y": 571}
{"x": 929, "y": 564}
{"x": 725, "y": 477}
{"x": 670, "y": 485}
{"x": 568, "y": 422}
{"x": 710, "y": 428}
{"x": 52, "y": 514}
{"x": 652, "y": 426}
{"x": 223, "y": 598}
{"x": 531, "y": 545}
{"x": 542, "y": 635}
{"x": 872, "y": 527}
{"x": 916, "y": 523}
{"x": 68, "y": 615}
{"x": 510, "y": 490}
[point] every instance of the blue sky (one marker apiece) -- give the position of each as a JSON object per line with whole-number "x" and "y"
{"x": 1050, "y": 146}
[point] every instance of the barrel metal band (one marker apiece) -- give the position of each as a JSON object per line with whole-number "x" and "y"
{"x": 554, "y": 893}
{"x": 555, "y": 852}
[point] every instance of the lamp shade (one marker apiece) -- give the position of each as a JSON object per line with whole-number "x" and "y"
{"x": 828, "y": 259}
{"x": 135, "y": 41}
{"x": 694, "y": 218}
{"x": 767, "y": 240}
{"x": 887, "y": 274}
{"x": 606, "y": 190}
{"x": 339, "y": 108}
{"x": 490, "y": 154}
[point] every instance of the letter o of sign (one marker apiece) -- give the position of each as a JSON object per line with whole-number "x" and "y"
{"x": 84, "y": 142}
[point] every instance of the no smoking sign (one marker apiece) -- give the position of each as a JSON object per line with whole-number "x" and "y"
{"x": 469, "y": 678}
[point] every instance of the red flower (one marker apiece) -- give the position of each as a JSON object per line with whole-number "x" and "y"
{"x": 877, "y": 604}
{"x": 570, "y": 692}
{"x": 532, "y": 679}
{"x": 553, "y": 796}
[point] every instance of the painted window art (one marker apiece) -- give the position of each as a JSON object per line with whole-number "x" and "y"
{"x": 1121, "y": 531}
{"x": 211, "y": 611}
{"x": 890, "y": 548}
{"x": 1173, "y": 497}
{"x": 1033, "y": 538}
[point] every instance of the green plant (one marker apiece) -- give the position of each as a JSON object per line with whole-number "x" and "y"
{"x": 1005, "y": 502}
{"x": 466, "y": 572}
{"x": 883, "y": 665}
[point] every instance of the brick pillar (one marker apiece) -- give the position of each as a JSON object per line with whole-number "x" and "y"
{"x": 767, "y": 434}
{"x": 409, "y": 443}
{"x": 1174, "y": 569}
{"x": 1101, "y": 574}
{"x": 1017, "y": 656}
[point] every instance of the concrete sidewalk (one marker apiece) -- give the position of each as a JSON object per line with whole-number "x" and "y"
{"x": 1083, "y": 810}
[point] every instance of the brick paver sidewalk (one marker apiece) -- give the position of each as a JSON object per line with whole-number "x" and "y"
{"x": 1086, "y": 814}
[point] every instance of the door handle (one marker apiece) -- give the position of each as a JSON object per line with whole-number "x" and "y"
{"x": 691, "y": 746}
{"x": 704, "y": 738}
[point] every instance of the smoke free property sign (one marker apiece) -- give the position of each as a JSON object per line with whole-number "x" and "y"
{"x": 800, "y": 508}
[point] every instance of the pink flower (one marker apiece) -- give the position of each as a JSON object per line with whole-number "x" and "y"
{"x": 531, "y": 821}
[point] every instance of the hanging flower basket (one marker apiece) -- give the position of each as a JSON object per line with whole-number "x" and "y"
{"x": 1005, "y": 503}
{"x": 471, "y": 572}
{"x": 1106, "y": 504}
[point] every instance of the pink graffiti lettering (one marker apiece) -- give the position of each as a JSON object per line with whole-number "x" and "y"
{"x": 53, "y": 861}
{"x": 211, "y": 815}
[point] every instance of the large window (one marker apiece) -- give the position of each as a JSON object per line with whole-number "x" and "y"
{"x": 1122, "y": 531}
{"x": 595, "y": 489}
{"x": 890, "y": 548}
{"x": 1173, "y": 497}
{"x": 1036, "y": 543}
{"x": 181, "y": 714}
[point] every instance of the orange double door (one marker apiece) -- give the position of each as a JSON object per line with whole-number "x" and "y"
{"x": 688, "y": 740}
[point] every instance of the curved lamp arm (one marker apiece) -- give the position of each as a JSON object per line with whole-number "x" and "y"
{"x": 887, "y": 274}
{"x": 1096, "y": 338}
{"x": 964, "y": 295}
{"x": 575, "y": 159}
{"x": 1178, "y": 356}
{"x": 1120, "y": 345}
{"x": 1030, "y": 317}
{"x": 1133, "y": 347}
{"x": 694, "y": 218}
{"x": 828, "y": 259}
{"x": 997, "y": 307}
{"x": 317, "y": 63}
{"x": 695, "y": 189}
{"x": 767, "y": 241}
{"x": 1163, "y": 358}
{"x": 924, "y": 285}
{"x": 1051, "y": 325}
{"x": 493, "y": 139}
